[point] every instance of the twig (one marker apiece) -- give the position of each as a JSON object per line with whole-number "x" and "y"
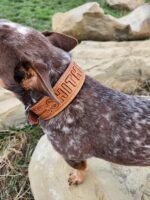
{"x": 8, "y": 175}
{"x": 8, "y": 131}
{"x": 20, "y": 197}
{"x": 19, "y": 193}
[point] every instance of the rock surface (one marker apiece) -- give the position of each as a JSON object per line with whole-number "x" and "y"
{"x": 89, "y": 22}
{"x": 11, "y": 110}
{"x": 139, "y": 22}
{"x": 48, "y": 175}
{"x": 125, "y": 4}
{"x": 119, "y": 65}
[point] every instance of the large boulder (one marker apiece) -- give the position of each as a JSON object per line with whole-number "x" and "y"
{"x": 89, "y": 22}
{"x": 48, "y": 175}
{"x": 125, "y": 4}
{"x": 120, "y": 65}
{"x": 139, "y": 22}
{"x": 11, "y": 110}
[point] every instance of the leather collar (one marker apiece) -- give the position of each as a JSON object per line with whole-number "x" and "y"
{"x": 65, "y": 90}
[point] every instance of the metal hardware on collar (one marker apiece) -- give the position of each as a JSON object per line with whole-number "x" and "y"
{"x": 65, "y": 90}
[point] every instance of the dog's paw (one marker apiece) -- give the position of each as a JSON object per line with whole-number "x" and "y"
{"x": 76, "y": 177}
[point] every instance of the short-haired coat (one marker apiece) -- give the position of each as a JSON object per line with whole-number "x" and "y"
{"x": 99, "y": 122}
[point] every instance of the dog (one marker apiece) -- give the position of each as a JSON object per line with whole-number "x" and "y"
{"x": 99, "y": 122}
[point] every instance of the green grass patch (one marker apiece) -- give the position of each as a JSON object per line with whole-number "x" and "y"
{"x": 38, "y": 13}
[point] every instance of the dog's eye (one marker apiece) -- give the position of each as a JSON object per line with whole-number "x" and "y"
{"x": 19, "y": 75}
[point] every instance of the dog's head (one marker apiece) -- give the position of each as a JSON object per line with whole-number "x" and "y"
{"x": 30, "y": 61}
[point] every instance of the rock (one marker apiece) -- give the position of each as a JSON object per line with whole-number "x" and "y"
{"x": 11, "y": 110}
{"x": 89, "y": 22}
{"x": 48, "y": 175}
{"x": 139, "y": 21}
{"x": 119, "y": 65}
{"x": 125, "y": 4}
{"x": 136, "y": 180}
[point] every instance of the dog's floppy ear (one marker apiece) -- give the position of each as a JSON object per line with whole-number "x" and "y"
{"x": 34, "y": 76}
{"x": 60, "y": 40}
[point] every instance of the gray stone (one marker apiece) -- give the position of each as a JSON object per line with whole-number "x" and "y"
{"x": 11, "y": 110}
{"x": 125, "y": 4}
{"x": 119, "y": 65}
{"x": 89, "y": 22}
{"x": 139, "y": 22}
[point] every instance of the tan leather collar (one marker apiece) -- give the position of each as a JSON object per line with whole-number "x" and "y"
{"x": 65, "y": 90}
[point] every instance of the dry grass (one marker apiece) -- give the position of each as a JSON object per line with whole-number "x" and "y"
{"x": 16, "y": 147}
{"x": 143, "y": 88}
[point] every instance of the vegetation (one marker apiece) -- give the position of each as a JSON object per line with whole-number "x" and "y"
{"x": 16, "y": 148}
{"x": 38, "y": 13}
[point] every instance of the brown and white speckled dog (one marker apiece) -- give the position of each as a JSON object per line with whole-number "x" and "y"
{"x": 99, "y": 122}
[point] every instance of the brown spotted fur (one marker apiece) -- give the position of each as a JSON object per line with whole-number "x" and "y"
{"x": 99, "y": 122}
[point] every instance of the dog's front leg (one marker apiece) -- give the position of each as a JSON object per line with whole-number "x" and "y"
{"x": 79, "y": 173}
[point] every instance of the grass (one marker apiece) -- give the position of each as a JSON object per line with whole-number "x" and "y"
{"x": 16, "y": 148}
{"x": 143, "y": 88}
{"x": 38, "y": 14}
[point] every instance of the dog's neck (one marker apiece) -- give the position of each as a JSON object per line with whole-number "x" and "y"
{"x": 65, "y": 90}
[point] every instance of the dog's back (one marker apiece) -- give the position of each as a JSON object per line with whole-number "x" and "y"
{"x": 104, "y": 123}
